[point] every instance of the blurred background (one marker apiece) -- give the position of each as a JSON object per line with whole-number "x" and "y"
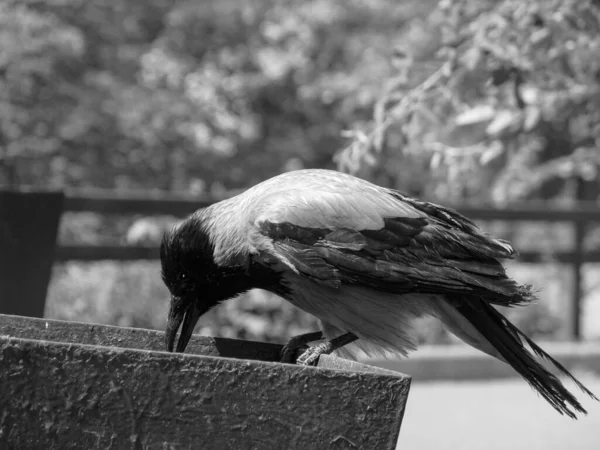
{"x": 484, "y": 102}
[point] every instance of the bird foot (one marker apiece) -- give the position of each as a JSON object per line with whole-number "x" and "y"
{"x": 290, "y": 352}
{"x": 297, "y": 346}
{"x": 311, "y": 355}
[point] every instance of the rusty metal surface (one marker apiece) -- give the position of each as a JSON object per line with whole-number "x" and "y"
{"x": 124, "y": 337}
{"x": 65, "y": 395}
{"x": 143, "y": 339}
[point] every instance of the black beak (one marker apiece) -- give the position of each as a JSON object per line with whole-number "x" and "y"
{"x": 189, "y": 315}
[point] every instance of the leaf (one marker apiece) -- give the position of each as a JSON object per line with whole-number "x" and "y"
{"x": 503, "y": 120}
{"x": 428, "y": 114}
{"x": 540, "y": 36}
{"x": 436, "y": 160}
{"x": 529, "y": 93}
{"x": 472, "y": 57}
{"x": 532, "y": 118}
{"x": 491, "y": 153}
{"x": 478, "y": 114}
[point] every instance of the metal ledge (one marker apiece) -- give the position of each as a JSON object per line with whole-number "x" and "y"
{"x": 72, "y": 385}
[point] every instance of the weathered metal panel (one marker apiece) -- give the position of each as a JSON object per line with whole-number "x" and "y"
{"x": 124, "y": 337}
{"x": 28, "y": 230}
{"x": 65, "y": 395}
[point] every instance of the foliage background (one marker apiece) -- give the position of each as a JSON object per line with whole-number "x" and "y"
{"x": 467, "y": 100}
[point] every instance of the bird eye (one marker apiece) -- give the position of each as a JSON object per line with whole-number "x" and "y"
{"x": 183, "y": 276}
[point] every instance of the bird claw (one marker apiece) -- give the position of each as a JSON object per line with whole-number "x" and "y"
{"x": 289, "y": 353}
{"x": 297, "y": 346}
{"x": 311, "y": 355}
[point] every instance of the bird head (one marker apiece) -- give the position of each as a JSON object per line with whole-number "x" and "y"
{"x": 194, "y": 278}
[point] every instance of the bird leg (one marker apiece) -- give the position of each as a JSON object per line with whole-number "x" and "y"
{"x": 297, "y": 344}
{"x": 311, "y": 355}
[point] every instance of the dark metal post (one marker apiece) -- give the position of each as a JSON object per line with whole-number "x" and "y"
{"x": 574, "y": 316}
{"x": 28, "y": 229}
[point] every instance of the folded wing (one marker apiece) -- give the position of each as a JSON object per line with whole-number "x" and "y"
{"x": 401, "y": 245}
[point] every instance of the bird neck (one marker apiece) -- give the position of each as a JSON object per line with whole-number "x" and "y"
{"x": 232, "y": 281}
{"x": 232, "y": 247}
{"x": 227, "y": 229}
{"x": 235, "y": 280}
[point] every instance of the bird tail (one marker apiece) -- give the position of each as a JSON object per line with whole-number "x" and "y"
{"x": 508, "y": 345}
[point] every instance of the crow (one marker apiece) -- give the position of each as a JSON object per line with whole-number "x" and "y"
{"x": 363, "y": 259}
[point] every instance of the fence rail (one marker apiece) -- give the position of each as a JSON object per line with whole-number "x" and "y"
{"x": 579, "y": 216}
{"x": 110, "y": 203}
{"x": 116, "y": 204}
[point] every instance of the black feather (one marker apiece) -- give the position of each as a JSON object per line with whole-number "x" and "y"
{"x": 447, "y": 216}
{"x": 470, "y": 236}
{"x": 407, "y": 255}
{"x": 385, "y": 238}
{"x": 307, "y": 260}
{"x": 508, "y": 341}
{"x": 406, "y": 226}
{"x": 289, "y": 231}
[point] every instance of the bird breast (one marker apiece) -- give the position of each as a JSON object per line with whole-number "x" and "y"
{"x": 383, "y": 322}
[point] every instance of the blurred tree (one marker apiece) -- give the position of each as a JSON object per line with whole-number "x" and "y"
{"x": 186, "y": 95}
{"x": 499, "y": 100}
{"x": 207, "y": 96}
{"x": 39, "y": 61}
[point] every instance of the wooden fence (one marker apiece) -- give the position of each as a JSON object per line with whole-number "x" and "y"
{"x": 578, "y": 217}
